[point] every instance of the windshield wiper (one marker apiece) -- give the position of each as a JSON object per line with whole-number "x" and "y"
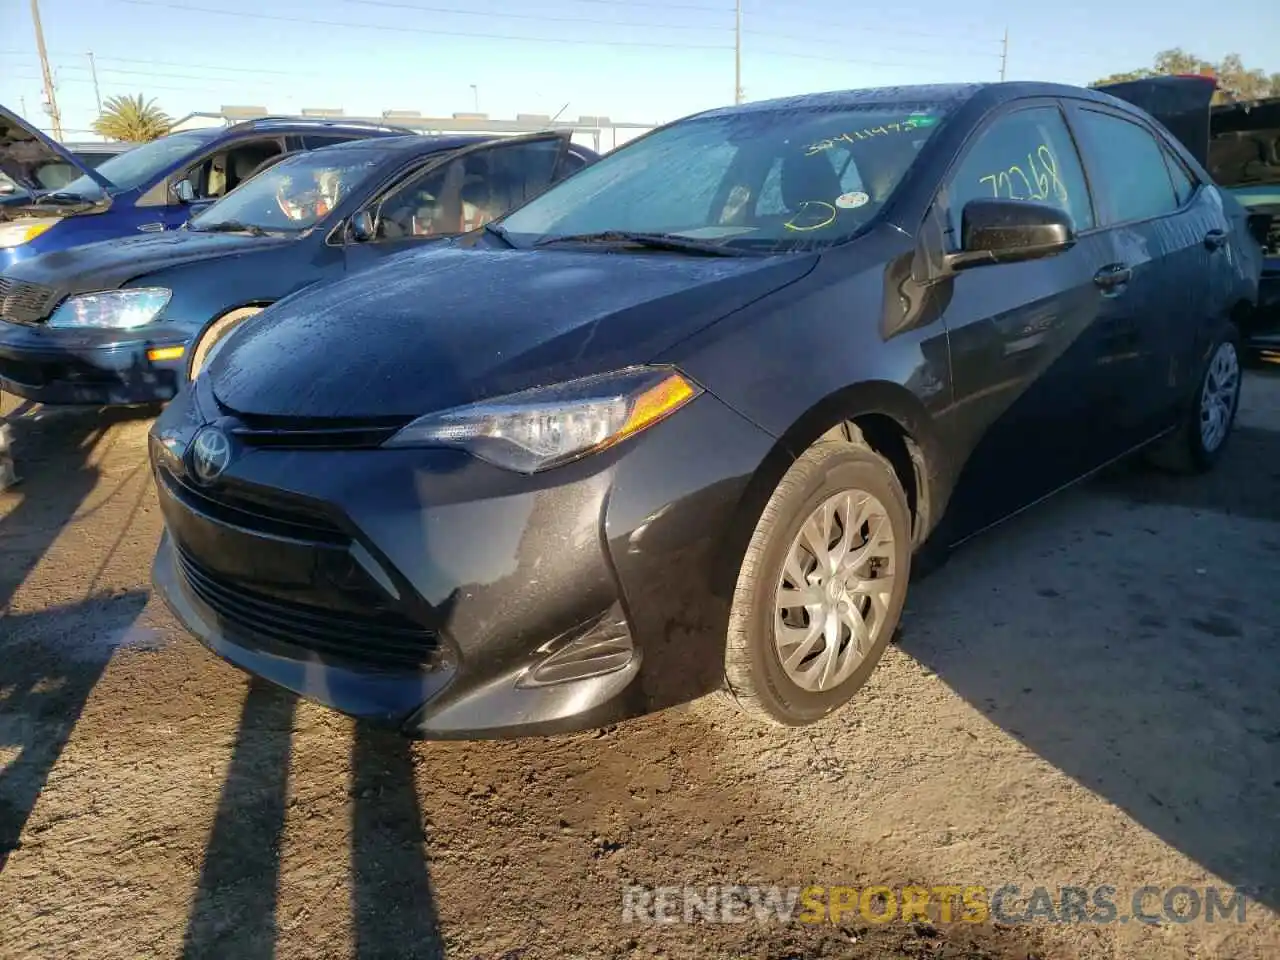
{"x": 232, "y": 226}
{"x": 654, "y": 241}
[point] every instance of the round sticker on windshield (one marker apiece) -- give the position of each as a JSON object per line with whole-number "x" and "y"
{"x": 851, "y": 201}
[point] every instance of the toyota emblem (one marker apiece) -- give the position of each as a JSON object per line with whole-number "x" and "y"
{"x": 210, "y": 454}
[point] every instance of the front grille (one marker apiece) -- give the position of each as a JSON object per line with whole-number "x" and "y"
{"x": 278, "y": 515}
{"x": 24, "y": 302}
{"x": 382, "y": 640}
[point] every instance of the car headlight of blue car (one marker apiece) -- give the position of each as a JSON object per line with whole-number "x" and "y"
{"x": 112, "y": 309}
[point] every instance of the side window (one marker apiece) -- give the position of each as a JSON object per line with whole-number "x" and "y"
{"x": 425, "y": 205}
{"x": 223, "y": 171}
{"x": 1131, "y": 170}
{"x": 1026, "y": 155}
{"x": 1184, "y": 185}
{"x": 466, "y": 193}
{"x": 313, "y": 140}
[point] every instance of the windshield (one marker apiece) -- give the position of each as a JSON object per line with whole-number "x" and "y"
{"x": 144, "y": 163}
{"x": 763, "y": 180}
{"x": 293, "y": 195}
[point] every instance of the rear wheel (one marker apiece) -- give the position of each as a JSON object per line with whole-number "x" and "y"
{"x": 821, "y": 586}
{"x": 1201, "y": 437}
{"x": 213, "y": 334}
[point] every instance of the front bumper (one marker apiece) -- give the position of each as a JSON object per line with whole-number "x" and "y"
{"x": 99, "y": 367}
{"x": 429, "y": 591}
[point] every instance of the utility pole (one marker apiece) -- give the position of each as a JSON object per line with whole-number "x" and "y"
{"x": 50, "y": 96}
{"x": 97, "y": 94}
{"x": 1004, "y": 54}
{"x": 737, "y": 51}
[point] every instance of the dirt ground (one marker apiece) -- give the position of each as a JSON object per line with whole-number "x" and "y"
{"x": 1086, "y": 696}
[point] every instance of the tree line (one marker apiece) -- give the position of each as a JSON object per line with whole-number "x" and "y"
{"x": 1235, "y": 80}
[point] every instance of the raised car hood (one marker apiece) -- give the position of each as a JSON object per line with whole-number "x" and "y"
{"x": 25, "y": 152}
{"x": 1245, "y": 147}
{"x": 112, "y": 263}
{"x": 450, "y": 326}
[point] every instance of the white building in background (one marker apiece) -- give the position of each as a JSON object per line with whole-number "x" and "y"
{"x": 599, "y": 133}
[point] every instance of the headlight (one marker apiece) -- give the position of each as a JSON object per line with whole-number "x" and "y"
{"x": 115, "y": 309}
{"x": 23, "y": 231}
{"x": 548, "y": 426}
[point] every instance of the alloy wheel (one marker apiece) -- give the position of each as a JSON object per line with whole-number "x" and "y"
{"x": 833, "y": 594}
{"x": 1218, "y": 397}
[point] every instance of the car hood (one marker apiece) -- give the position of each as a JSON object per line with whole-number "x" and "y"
{"x": 112, "y": 263}
{"x": 450, "y": 326}
{"x": 25, "y": 152}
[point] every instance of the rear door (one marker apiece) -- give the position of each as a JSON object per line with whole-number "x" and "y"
{"x": 1024, "y": 337}
{"x": 1163, "y": 232}
{"x": 438, "y": 200}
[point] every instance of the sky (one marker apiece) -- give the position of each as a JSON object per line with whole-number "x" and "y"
{"x": 641, "y": 61}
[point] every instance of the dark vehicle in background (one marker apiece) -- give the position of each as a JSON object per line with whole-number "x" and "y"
{"x": 1244, "y": 157}
{"x": 147, "y": 189}
{"x": 127, "y": 321}
{"x": 1239, "y": 145}
{"x": 681, "y": 423}
{"x": 96, "y": 154}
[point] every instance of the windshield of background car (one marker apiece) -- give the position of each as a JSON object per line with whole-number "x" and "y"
{"x": 294, "y": 194}
{"x": 141, "y": 165}
{"x": 772, "y": 180}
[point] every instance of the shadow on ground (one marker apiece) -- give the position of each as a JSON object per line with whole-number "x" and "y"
{"x": 50, "y": 660}
{"x": 234, "y": 912}
{"x": 49, "y": 664}
{"x": 1143, "y": 663}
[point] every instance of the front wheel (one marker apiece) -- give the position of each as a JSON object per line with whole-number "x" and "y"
{"x": 821, "y": 586}
{"x": 212, "y": 336}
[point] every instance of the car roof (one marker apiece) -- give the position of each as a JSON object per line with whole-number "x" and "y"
{"x": 416, "y": 143}
{"x": 949, "y": 95}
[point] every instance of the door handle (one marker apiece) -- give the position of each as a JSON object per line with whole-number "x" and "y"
{"x": 1112, "y": 276}
{"x": 1215, "y": 239}
{"x": 154, "y": 227}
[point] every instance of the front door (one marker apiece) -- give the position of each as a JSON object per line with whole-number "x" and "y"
{"x": 1024, "y": 336}
{"x": 440, "y": 200}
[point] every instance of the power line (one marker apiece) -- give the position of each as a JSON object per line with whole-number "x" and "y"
{"x": 401, "y": 28}
{"x": 829, "y": 25}
{"x": 394, "y": 5}
{"x": 770, "y": 35}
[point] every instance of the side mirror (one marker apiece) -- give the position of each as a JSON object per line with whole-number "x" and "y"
{"x": 361, "y": 227}
{"x": 993, "y": 230}
{"x": 184, "y": 191}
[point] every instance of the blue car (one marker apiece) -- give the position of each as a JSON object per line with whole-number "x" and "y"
{"x": 55, "y": 200}
{"x": 128, "y": 321}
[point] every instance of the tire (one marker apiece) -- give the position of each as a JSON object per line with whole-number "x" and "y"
{"x": 1193, "y": 447}
{"x": 756, "y": 678}
{"x": 215, "y": 331}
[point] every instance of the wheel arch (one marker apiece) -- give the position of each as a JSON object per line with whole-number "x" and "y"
{"x": 881, "y": 415}
{"x": 256, "y": 305}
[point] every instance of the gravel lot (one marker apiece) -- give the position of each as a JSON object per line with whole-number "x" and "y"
{"x": 1087, "y": 696}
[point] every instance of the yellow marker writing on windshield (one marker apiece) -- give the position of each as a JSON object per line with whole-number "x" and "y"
{"x": 807, "y": 208}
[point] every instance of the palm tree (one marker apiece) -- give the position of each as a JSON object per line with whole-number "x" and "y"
{"x": 132, "y": 119}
